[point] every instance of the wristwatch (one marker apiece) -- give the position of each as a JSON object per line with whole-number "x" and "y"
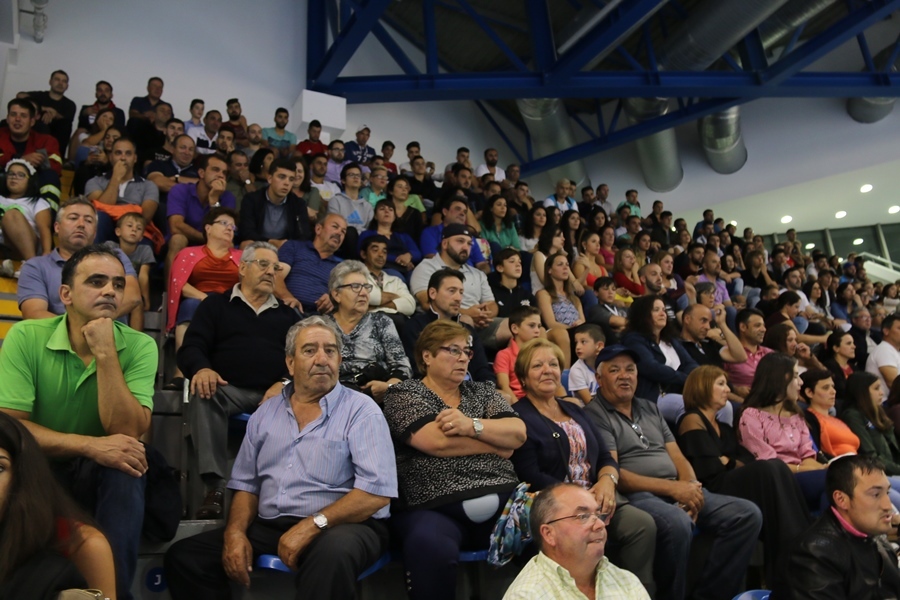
{"x": 176, "y": 177}
{"x": 612, "y": 476}
{"x": 320, "y": 520}
{"x": 478, "y": 426}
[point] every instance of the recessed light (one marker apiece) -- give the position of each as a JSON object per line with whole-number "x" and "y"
{"x": 866, "y": 188}
{"x": 894, "y": 209}
{"x": 840, "y": 214}
{"x": 810, "y": 246}
{"x": 858, "y": 242}
{"x": 733, "y": 223}
{"x": 787, "y": 219}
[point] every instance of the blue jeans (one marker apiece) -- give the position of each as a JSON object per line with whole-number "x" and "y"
{"x": 116, "y": 501}
{"x": 801, "y": 323}
{"x": 734, "y": 523}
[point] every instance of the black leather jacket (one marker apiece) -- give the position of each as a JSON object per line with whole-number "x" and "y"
{"x": 827, "y": 563}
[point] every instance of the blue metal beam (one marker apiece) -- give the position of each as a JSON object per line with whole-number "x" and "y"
{"x": 629, "y": 134}
{"x": 604, "y": 37}
{"x": 623, "y": 84}
{"x": 347, "y": 42}
{"x": 542, "y": 49}
{"x": 488, "y": 18}
{"x": 753, "y": 55}
{"x": 489, "y": 31}
{"x": 388, "y": 42}
{"x": 430, "y": 28}
{"x": 857, "y": 21}
{"x": 316, "y": 35}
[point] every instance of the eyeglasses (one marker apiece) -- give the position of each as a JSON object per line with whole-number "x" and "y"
{"x": 357, "y": 287}
{"x": 456, "y": 351}
{"x": 644, "y": 441}
{"x": 585, "y": 518}
{"x": 352, "y": 175}
{"x": 16, "y": 175}
{"x": 227, "y": 225}
{"x": 265, "y": 264}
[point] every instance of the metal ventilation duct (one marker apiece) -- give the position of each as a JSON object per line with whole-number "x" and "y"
{"x": 720, "y": 133}
{"x": 872, "y": 110}
{"x": 723, "y": 144}
{"x": 708, "y": 33}
{"x": 551, "y": 131}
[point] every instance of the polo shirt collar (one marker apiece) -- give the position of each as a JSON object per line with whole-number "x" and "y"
{"x": 55, "y": 257}
{"x": 59, "y": 339}
{"x": 635, "y": 407}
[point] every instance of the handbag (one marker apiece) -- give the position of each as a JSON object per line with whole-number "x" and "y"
{"x": 512, "y": 532}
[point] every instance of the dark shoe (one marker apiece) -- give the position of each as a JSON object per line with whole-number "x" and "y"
{"x": 176, "y": 385}
{"x": 213, "y": 505}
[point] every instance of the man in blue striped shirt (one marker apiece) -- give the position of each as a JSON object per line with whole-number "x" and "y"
{"x": 312, "y": 481}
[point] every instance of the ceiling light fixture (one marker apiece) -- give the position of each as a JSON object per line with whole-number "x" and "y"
{"x": 734, "y": 223}
{"x": 865, "y": 189}
{"x": 894, "y": 209}
{"x": 840, "y": 214}
{"x": 858, "y": 242}
{"x": 787, "y": 219}
{"x": 810, "y": 246}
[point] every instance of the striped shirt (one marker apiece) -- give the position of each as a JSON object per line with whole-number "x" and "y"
{"x": 308, "y": 278}
{"x": 544, "y": 579}
{"x": 298, "y": 473}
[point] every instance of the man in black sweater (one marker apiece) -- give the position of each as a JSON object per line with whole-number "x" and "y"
{"x": 233, "y": 355}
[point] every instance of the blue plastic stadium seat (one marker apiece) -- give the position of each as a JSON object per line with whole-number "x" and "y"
{"x": 753, "y": 595}
{"x": 565, "y": 380}
{"x": 476, "y": 556}
{"x": 243, "y": 417}
{"x": 272, "y": 562}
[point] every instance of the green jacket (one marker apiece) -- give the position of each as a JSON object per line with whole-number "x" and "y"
{"x": 881, "y": 444}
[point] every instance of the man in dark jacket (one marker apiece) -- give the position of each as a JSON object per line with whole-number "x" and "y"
{"x": 845, "y": 553}
{"x": 275, "y": 214}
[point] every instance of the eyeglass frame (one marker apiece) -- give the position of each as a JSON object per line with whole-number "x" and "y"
{"x": 227, "y": 225}
{"x": 259, "y": 263}
{"x": 362, "y": 286}
{"x": 456, "y": 352}
{"x": 585, "y": 517}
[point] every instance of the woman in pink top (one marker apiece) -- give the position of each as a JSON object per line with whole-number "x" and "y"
{"x": 771, "y": 425}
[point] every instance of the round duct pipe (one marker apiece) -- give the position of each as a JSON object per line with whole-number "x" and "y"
{"x": 657, "y": 153}
{"x": 872, "y": 110}
{"x": 550, "y": 130}
{"x": 723, "y": 144}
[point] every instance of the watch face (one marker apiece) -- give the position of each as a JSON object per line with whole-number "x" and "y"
{"x": 321, "y": 521}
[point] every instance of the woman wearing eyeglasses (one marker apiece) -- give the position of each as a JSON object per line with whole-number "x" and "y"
{"x": 25, "y": 218}
{"x": 724, "y": 467}
{"x": 199, "y": 271}
{"x": 453, "y": 442}
{"x": 563, "y": 444}
{"x": 372, "y": 353}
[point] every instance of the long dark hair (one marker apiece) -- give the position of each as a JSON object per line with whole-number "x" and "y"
{"x": 487, "y": 217}
{"x": 570, "y": 234}
{"x": 859, "y": 397}
{"x": 545, "y": 242}
{"x": 259, "y": 157}
{"x": 773, "y": 374}
{"x": 640, "y": 319}
{"x": 777, "y": 335}
{"x": 807, "y": 289}
{"x": 33, "y": 503}
{"x": 373, "y": 224}
{"x": 528, "y": 227}
{"x": 32, "y": 190}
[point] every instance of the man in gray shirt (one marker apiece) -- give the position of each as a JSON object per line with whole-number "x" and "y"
{"x": 657, "y": 478}
{"x": 121, "y": 186}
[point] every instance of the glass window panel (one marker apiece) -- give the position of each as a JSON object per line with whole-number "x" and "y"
{"x": 844, "y": 241}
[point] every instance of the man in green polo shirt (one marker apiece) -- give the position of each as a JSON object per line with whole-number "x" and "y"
{"x": 82, "y": 383}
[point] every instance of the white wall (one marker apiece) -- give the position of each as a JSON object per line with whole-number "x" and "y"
{"x": 211, "y": 49}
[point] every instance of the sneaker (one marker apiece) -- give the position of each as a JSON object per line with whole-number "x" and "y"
{"x": 7, "y": 269}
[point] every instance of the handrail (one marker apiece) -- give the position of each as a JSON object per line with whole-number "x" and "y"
{"x": 879, "y": 259}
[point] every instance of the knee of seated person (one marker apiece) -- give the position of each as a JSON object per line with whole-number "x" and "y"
{"x": 13, "y": 218}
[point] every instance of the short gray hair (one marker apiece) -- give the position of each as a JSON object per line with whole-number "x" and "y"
{"x": 290, "y": 345}
{"x": 340, "y": 272}
{"x": 249, "y": 252}
{"x": 542, "y": 508}
{"x": 859, "y": 311}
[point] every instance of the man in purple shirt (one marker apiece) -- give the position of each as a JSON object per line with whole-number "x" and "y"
{"x": 189, "y": 202}
{"x": 313, "y": 482}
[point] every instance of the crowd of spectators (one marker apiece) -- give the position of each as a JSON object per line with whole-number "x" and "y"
{"x": 448, "y": 335}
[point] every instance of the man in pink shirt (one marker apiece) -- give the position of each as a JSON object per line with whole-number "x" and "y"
{"x": 751, "y": 328}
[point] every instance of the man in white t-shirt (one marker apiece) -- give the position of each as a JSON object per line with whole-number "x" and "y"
{"x": 885, "y": 361}
{"x": 491, "y": 157}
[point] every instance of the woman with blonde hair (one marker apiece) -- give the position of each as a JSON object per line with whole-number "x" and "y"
{"x": 561, "y": 309}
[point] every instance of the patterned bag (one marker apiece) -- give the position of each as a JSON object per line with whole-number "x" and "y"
{"x": 512, "y": 531}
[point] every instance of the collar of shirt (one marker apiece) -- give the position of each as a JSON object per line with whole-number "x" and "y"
{"x": 271, "y": 301}
{"x": 269, "y": 198}
{"x": 848, "y": 527}
{"x": 327, "y": 403}
{"x": 561, "y": 574}
{"x": 59, "y": 340}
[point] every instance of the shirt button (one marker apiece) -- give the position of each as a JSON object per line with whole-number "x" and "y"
{"x": 289, "y": 466}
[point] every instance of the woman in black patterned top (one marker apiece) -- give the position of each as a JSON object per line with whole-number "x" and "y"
{"x": 372, "y": 356}
{"x": 453, "y": 441}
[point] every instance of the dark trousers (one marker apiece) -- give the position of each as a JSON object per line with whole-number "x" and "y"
{"x": 431, "y": 541}
{"x": 116, "y": 501}
{"x": 328, "y": 568}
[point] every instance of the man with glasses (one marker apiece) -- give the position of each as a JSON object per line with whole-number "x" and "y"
{"x": 657, "y": 478}
{"x": 570, "y": 534}
{"x": 233, "y": 355}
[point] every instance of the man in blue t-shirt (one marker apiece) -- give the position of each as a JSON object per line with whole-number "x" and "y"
{"x": 277, "y": 138}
